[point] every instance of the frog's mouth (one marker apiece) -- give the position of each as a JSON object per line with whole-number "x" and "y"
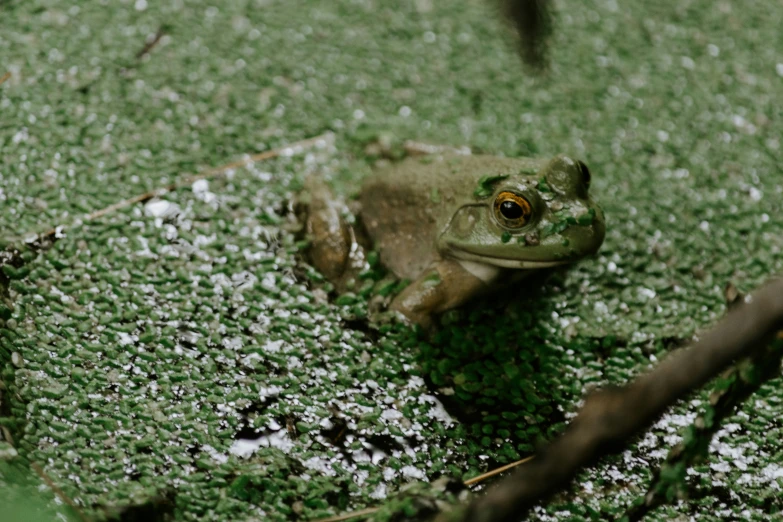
{"x": 464, "y": 254}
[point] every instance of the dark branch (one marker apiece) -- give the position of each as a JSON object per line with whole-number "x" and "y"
{"x": 532, "y": 20}
{"x": 150, "y": 45}
{"x": 734, "y": 387}
{"x": 612, "y": 416}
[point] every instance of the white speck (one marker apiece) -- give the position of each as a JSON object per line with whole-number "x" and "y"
{"x": 220, "y": 458}
{"x": 413, "y": 472}
{"x": 611, "y": 266}
{"x": 160, "y": 208}
{"x": 772, "y": 473}
{"x": 663, "y": 136}
{"x": 755, "y": 194}
{"x": 140, "y": 5}
{"x": 722, "y": 467}
{"x": 388, "y": 474}
{"x": 437, "y": 411}
{"x": 379, "y": 493}
{"x": 200, "y": 186}
{"x": 430, "y": 37}
{"x": 232, "y": 343}
{"x": 405, "y": 111}
{"x": 20, "y": 136}
{"x": 270, "y": 391}
{"x": 779, "y": 69}
{"x": 688, "y": 62}
{"x": 358, "y": 114}
{"x": 649, "y": 293}
{"x": 273, "y": 346}
{"x": 391, "y": 414}
{"x": 704, "y": 226}
{"x": 320, "y": 464}
{"x": 713, "y": 50}
{"x": 279, "y": 439}
{"x": 126, "y": 339}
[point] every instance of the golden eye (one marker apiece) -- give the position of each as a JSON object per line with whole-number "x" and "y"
{"x": 512, "y": 210}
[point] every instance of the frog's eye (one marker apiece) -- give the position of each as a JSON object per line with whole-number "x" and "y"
{"x": 512, "y": 210}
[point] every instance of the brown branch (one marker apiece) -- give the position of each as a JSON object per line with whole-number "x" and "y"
{"x": 207, "y": 174}
{"x": 612, "y": 416}
{"x": 735, "y": 386}
{"x": 5, "y": 77}
{"x": 59, "y": 492}
{"x": 150, "y": 45}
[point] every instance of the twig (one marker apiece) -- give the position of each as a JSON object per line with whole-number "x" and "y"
{"x": 349, "y": 516}
{"x": 5, "y": 77}
{"x": 150, "y": 45}
{"x": 739, "y": 383}
{"x": 497, "y": 471}
{"x": 207, "y": 174}
{"x": 469, "y": 482}
{"x": 611, "y": 416}
{"x": 59, "y": 492}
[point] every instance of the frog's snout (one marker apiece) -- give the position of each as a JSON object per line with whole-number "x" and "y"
{"x": 568, "y": 177}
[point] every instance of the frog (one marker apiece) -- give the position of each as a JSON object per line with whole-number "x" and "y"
{"x": 456, "y": 225}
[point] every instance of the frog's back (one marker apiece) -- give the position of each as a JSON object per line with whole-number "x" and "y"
{"x": 406, "y": 206}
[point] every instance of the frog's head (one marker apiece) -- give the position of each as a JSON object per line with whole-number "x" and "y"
{"x": 533, "y": 219}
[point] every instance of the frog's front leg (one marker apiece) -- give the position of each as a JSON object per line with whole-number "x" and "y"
{"x": 445, "y": 285}
{"x": 334, "y": 248}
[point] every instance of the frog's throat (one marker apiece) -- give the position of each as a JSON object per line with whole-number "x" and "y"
{"x": 502, "y": 262}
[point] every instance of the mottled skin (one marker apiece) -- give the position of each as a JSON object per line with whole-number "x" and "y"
{"x": 441, "y": 221}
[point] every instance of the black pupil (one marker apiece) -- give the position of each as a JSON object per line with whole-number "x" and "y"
{"x": 511, "y": 210}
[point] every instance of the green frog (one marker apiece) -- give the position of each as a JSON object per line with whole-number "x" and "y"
{"x": 456, "y": 225}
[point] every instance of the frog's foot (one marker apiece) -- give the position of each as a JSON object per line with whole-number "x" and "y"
{"x": 334, "y": 250}
{"x": 380, "y": 318}
{"x": 445, "y": 285}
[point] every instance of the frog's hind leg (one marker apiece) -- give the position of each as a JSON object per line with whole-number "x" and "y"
{"x": 334, "y": 248}
{"x": 445, "y": 285}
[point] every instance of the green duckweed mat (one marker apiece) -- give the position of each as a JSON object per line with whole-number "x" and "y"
{"x": 178, "y": 358}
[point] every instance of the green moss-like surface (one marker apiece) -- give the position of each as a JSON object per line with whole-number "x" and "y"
{"x": 151, "y": 342}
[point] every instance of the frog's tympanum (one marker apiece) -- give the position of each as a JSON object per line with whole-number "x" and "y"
{"x": 459, "y": 225}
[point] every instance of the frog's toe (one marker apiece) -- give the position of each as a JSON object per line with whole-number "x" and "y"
{"x": 378, "y": 319}
{"x": 410, "y": 316}
{"x": 378, "y": 303}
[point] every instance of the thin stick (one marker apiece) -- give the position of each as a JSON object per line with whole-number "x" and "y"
{"x": 610, "y": 417}
{"x": 4, "y": 77}
{"x": 497, "y": 471}
{"x": 59, "y": 492}
{"x": 149, "y": 46}
{"x": 207, "y": 174}
{"x": 469, "y": 482}
{"x": 348, "y": 516}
